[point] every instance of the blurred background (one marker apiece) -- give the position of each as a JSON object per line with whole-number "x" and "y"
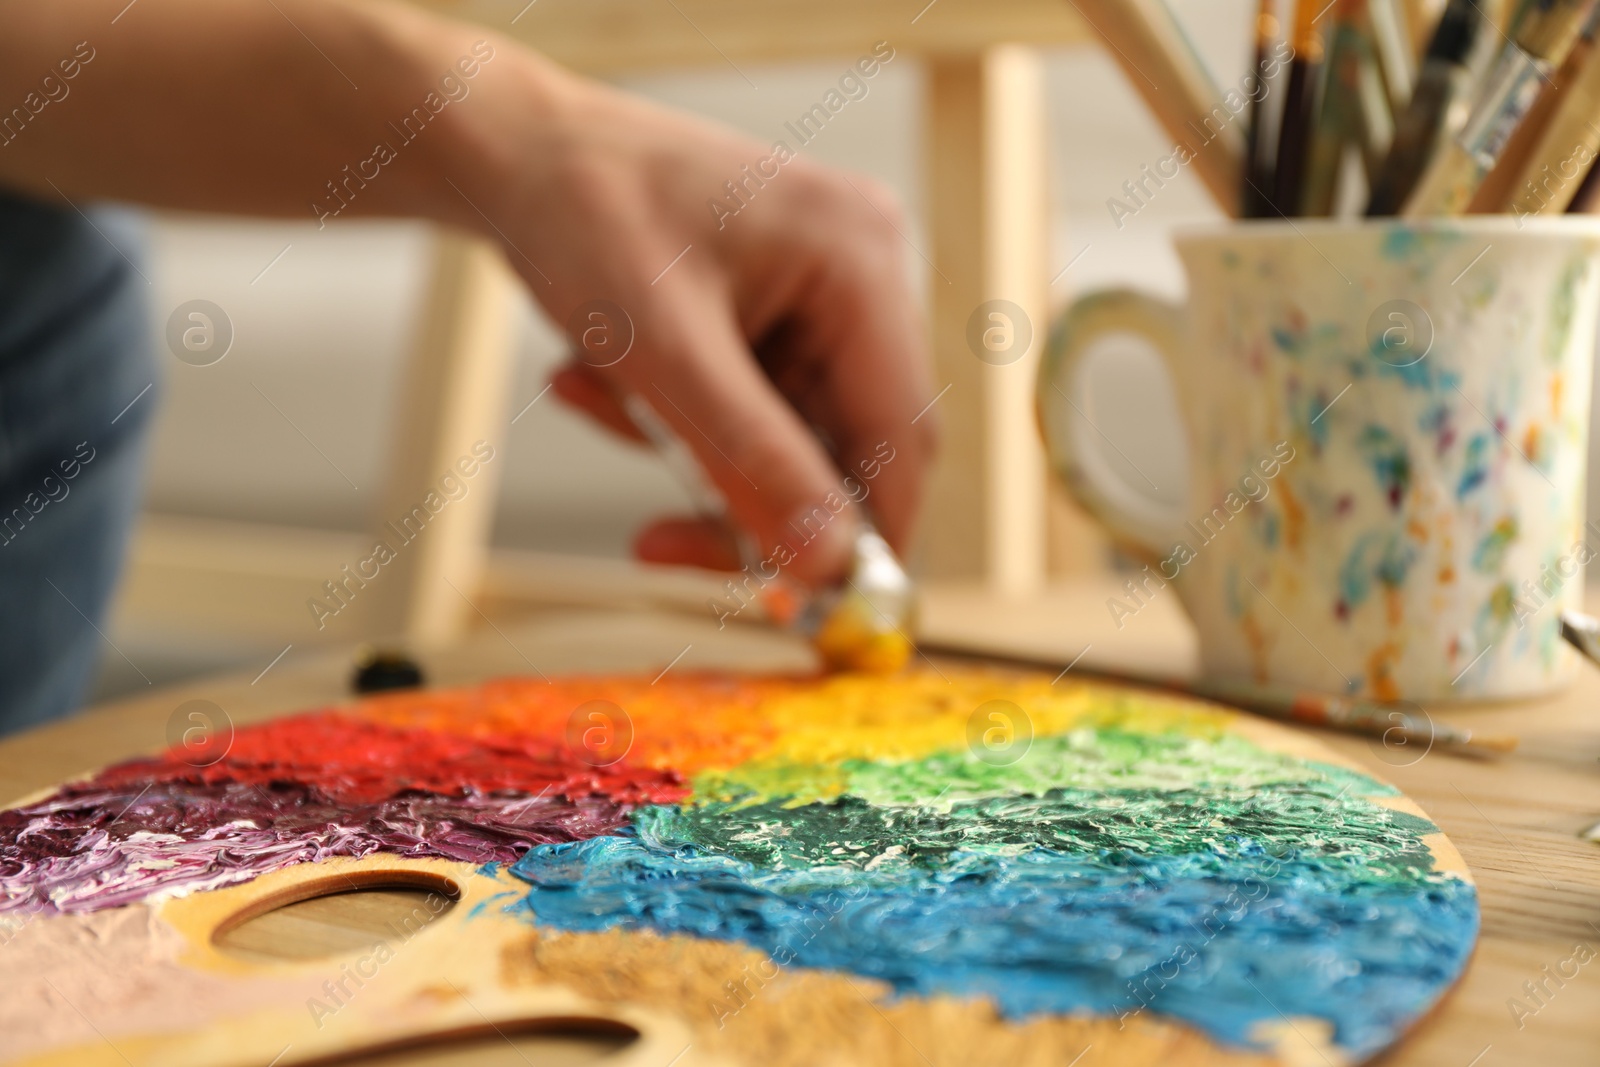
{"x": 281, "y": 447}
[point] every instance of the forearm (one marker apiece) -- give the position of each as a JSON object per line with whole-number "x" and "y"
{"x": 606, "y": 205}
{"x": 294, "y": 108}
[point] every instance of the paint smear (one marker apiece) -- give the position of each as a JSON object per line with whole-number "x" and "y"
{"x": 1186, "y": 874}
{"x": 1123, "y": 856}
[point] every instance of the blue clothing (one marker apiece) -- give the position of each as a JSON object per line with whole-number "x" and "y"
{"x": 75, "y": 352}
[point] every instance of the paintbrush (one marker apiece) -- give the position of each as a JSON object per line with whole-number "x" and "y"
{"x": 1334, "y": 121}
{"x": 1546, "y": 31}
{"x": 1374, "y": 107}
{"x": 1542, "y": 173}
{"x": 1422, "y": 17}
{"x": 1260, "y": 149}
{"x": 1354, "y": 112}
{"x": 1301, "y": 103}
{"x": 1396, "y": 55}
{"x": 1587, "y": 198}
{"x": 1394, "y": 724}
{"x": 1439, "y": 105}
{"x": 1163, "y": 67}
{"x": 1532, "y": 147}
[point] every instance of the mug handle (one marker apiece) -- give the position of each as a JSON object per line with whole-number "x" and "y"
{"x": 1133, "y": 517}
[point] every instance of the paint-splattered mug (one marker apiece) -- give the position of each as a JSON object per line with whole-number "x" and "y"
{"x": 1387, "y": 428}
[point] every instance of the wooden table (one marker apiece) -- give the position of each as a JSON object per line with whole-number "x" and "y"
{"x": 1517, "y": 820}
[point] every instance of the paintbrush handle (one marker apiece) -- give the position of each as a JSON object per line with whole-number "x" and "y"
{"x": 1548, "y": 29}
{"x": 1545, "y": 34}
{"x": 1338, "y": 115}
{"x": 1451, "y": 180}
{"x": 1552, "y": 171}
{"x": 1393, "y": 50}
{"x": 1439, "y": 104}
{"x": 1300, "y": 109}
{"x": 1162, "y": 66}
{"x": 1582, "y": 632}
{"x": 1384, "y": 721}
{"x": 1259, "y": 164}
{"x": 1531, "y": 147}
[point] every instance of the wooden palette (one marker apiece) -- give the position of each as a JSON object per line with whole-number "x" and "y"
{"x": 932, "y": 868}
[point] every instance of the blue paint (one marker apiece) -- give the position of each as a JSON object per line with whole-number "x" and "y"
{"x": 1475, "y": 467}
{"x": 1322, "y": 908}
{"x": 1287, "y": 341}
{"x": 1232, "y": 589}
{"x": 1490, "y": 554}
{"x": 1425, "y": 247}
{"x": 1390, "y": 460}
{"x": 1318, "y": 417}
{"x": 1399, "y": 554}
{"x": 1400, "y": 243}
{"x": 1269, "y": 530}
{"x": 1384, "y": 556}
{"x": 1418, "y": 375}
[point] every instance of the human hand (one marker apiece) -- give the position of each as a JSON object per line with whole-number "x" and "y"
{"x": 747, "y": 331}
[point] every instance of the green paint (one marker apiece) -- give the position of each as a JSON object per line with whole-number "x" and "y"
{"x": 1087, "y": 759}
{"x": 1319, "y": 817}
{"x": 1490, "y": 554}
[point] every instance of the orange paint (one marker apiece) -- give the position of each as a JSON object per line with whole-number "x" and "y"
{"x": 1294, "y": 515}
{"x": 686, "y": 725}
{"x": 1258, "y": 647}
{"x": 684, "y": 721}
{"x": 1530, "y": 442}
{"x": 1395, "y": 605}
{"x": 1380, "y": 671}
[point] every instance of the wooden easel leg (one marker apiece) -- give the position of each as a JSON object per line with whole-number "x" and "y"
{"x": 452, "y": 396}
{"x": 986, "y": 167}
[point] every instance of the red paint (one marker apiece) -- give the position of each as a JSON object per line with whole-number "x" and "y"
{"x": 362, "y": 762}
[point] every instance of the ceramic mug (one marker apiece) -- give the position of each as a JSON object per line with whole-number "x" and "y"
{"x": 1387, "y": 426}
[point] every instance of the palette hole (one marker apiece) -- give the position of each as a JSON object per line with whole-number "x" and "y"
{"x": 335, "y": 915}
{"x": 555, "y": 1042}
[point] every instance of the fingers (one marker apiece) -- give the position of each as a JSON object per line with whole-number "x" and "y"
{"x": 814, "y": 272}
{"x": 878, "y": 392}
{"x": 857, "y": 361}
{"x": 691, "y": 542}
{"x": 578, "y": 386}
{"x": 696, "y": 542}
{"x": 778, "y": 482}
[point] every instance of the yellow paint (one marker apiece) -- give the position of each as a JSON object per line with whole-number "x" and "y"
{"x": 915, "y": 715}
